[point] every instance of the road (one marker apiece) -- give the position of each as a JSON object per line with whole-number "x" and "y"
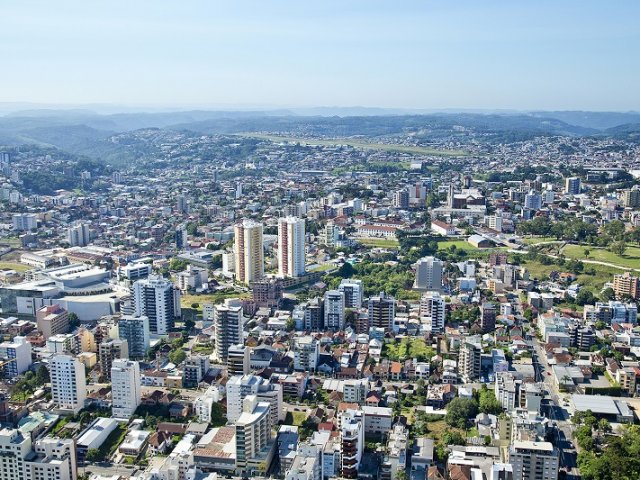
{"x": 552, "y": 408}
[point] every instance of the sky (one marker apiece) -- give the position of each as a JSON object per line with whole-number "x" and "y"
{"x": 464, "y": 54}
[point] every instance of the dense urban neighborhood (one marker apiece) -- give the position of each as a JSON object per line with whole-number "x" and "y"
{"x": 322, "y": 299}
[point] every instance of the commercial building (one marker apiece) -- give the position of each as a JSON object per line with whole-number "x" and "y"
{"x": 248, "y": 250}
{"x": 125, "y": 388}
{"x": 291, "y": 247}
{"x": 228, "y": 323}
{"x": 68, "y": 384}
{"x": 159, "y": 301}
{"x": 428, "y": 274}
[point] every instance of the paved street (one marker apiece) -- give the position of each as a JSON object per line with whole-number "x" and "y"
{"x": 552, "y": 408}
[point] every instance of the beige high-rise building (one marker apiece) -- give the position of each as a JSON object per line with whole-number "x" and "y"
{"x": 249, "y": 252}
{"x": 52, "y": 320}
{"x": 291, "y": 254}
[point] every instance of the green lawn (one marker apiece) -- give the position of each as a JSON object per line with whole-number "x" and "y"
{"x": 295, "y": 418}
{"x": 360, "y": 144}
{"x": 535, "y": 240}
{"x": 408, "y": 348}
{"x": 630, "y": 259}
{"x": 380, "y": 242}
{"x": 187, "y": 300}
{"x": 18, "y": 267}
{"x": 459, "y": 244}
{"x": 594, "y": 282}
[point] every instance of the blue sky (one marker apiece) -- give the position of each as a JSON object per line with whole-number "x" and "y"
{"x": 408, "y": 54}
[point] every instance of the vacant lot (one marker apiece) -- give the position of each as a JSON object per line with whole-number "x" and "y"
{"x": 18, "y": 267}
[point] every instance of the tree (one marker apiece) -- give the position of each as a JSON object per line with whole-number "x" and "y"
{"x": 93, "y": 455}
{"x": 453, "y": 437}
{"x": 604, "y": 426}
{"x": 459, "y": 411}
{"x": 177, "y": 356}
{"x": 42, "y": 375}
{"x": 587, "y": 252}
{"x": 607, "y": 294}
{"x": 290, "y": 325}
{"x": 488, "y": 403}
{"x": 73, "y": 320}
{"x": 618, "y": 247}
{"x": 585, "y": 297}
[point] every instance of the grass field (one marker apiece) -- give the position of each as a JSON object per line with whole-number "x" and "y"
{"x": 594, "y": 282}
{"x": 187, "y": 300}
{"x": 535, "y": 240}
{"x": 18, "y": 267}
{"x": 295, "y": 418}
{"x": 379, "y": 242}
{"x": 630, "y": 259}
{"x": 414, "y": 348}
{"x": 360, "y": 144}
{"x": 459, "y": 244}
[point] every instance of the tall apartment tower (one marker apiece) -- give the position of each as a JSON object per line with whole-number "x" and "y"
{"x": 110, "y": 351}
{"x": 353, "y": 292}
{"x": 248, "y": 251}
{"x": 238, "y": 360}
{"x": 291, "y": 254}
{"x": 79, "y": 235}
{"x": 432, "y": 312}
{"x": 158, "y": 300}
{"x": 351, "y": 442}
{"x": 135, "y": 330}
{"x": 52, "y": 320}
{"x": 334, "y": 310}
{"x": 428, "y": 274}
{"x": 382, "y": 311}
{"x": 572, "y": 185}
{"x": 228, "y": 323}
{"x": 488, "y": 317}
{"x": 253, "y": 432}
{"x": 239, "y": 387}
{"x": 68, "y": 384}
{"x": 126, "y": 392}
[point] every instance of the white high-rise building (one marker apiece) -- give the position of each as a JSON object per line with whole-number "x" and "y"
{"x": 432, "y": 311}
{"x": 428, "y": 274}
{"x": 253, "y": 434}
{"x": 24, "y": 222}
{"x": 334, "y": 310}
{"x": 158, "y": 300}
{"x": 307, "y": 353}
{"x": 239, "y": 387}
{"x": 68, "y": 384}
{"x": 228, "y": 323}
{"x": 248, "y": 250}
{"x": 79, "y": 235}
{"x": 353, "y": 292}
{"x": 17, "y": 355}
{"x": 291, "y": 250}
{"x": 203, "y": 405}
{"x": 126, "y": 392}
{"x": 351, "y": 442}
{"x": 45, "y": 459}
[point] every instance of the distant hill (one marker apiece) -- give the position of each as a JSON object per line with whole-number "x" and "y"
{"x": 597, "y": 120}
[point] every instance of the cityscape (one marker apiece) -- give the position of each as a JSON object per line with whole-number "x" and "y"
{"x": 317, "y": 293}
